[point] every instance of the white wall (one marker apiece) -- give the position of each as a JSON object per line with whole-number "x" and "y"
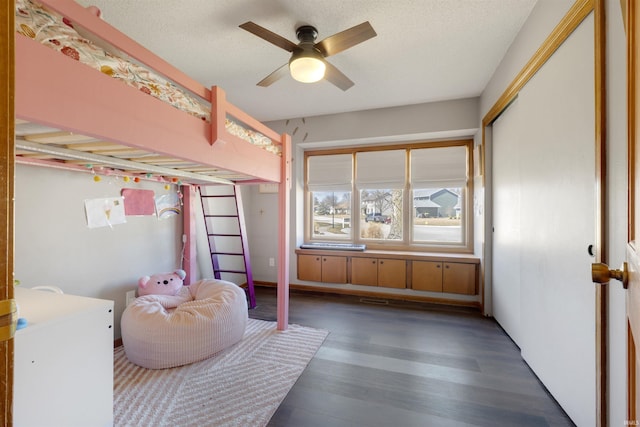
{"x": 54, "y": 246}
{"x": 405, "y": 123}
{"x": 542, "y": 20}
{"x": 261, "y": 211}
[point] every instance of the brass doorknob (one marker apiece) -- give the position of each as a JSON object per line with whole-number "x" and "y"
{"x": 600, "y": 273}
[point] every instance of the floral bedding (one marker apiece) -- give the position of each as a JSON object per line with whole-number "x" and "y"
{"x": 56, "y": 32}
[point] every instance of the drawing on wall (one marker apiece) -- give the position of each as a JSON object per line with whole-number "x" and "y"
{"x": 168, "y": 205}
{"x": 138, "y": 202}
{"x": 104, "y": 212}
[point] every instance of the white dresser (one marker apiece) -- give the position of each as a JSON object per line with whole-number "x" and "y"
{"x": 63, "y": 361}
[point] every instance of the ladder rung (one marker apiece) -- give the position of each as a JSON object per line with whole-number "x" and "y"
{"x": 208, "y": 210}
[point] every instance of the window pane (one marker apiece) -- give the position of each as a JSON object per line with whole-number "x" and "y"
{"x": 381, "y": 214}
{"x": 331, "y": 215}
{"x": 437, "y": 215}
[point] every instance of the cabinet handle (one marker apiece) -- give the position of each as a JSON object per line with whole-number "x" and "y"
{"x": 373, "y": 262}
{"x": 438, "y": 266}
{"x": 317, "y": 259}
{"x": 381, "y": 262}
{"x": 324, "y": 259}
{"x": 446, "y": 266}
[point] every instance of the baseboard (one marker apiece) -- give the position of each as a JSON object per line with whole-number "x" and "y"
{"x": 373, "y": 294}
{"x": 117, "y": 343}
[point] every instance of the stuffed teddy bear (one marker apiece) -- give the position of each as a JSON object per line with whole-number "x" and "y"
{"x": 161, "y": 283}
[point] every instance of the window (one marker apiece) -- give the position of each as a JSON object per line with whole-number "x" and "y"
{"x": 329, "y": 183}
{"x": 409, "y": 197}
{"x": 380, "y": 181}
{"x": 438, "y": 180}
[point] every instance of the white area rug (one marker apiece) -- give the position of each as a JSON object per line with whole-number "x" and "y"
{"x": 240, "y": 386}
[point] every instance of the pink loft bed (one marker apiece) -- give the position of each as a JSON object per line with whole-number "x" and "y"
{"x": 68, "y": 114}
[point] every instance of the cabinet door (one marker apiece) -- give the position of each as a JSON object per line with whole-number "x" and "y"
{"x": 392, "y": 273}
{"x": 364, "y": 271}
{"x": 426, "y": 276}
{"x": 459, "y": 278}
{"x": 334, "y": 269}
{"x": 309, "y": 268}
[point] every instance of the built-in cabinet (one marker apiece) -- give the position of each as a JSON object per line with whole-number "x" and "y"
{"x": 322, "y": 268}
{"x": 389, "y": 273}
{"x": 450, "y": 277}
{"x": 446, "y": 273}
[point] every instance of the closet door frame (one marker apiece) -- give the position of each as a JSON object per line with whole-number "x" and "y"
{"x": 7, "y": 159}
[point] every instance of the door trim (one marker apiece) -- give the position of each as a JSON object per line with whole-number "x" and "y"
{"x": 7, "y": 164}
{"x": 631, "y": 28}
{"x": 601, "y": 243}
{"x": 572, "y": 19}
{"x": 629, "y": 12}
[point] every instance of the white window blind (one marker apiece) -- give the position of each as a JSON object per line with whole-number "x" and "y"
{"x": 330, "y": 173}
{"x": 381, "y": 169}
{"x": 440, "y": 167}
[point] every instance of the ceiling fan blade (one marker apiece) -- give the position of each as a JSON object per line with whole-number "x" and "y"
{"x": 345, "y": 39}
{"x": 275, "y": 76}
{"x": 335, "y": 76}
{"x": 269, "y": 36}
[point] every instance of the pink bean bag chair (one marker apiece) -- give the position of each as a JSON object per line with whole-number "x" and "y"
{"x": 167, "y": 330}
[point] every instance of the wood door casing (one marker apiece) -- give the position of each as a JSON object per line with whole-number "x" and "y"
{"x": 632, "y": 19}
{"x": 7, "y": 65}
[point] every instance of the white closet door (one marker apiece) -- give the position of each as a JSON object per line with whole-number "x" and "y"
{"x": 556, "y": 209}
{"x": 506, "y": 220}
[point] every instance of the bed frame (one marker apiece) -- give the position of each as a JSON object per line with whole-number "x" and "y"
{"x": 91, "y": 118}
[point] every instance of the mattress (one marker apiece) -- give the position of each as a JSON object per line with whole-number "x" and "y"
{"x": 56, "y": 32}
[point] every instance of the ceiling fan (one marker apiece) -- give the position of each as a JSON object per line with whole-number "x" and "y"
{"x": 307, "y": 63}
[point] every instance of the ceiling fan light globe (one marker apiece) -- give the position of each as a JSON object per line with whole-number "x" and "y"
{"x": 307, "y": 69}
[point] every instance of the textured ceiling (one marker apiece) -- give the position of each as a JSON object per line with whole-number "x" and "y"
{"x": 425, "y": 50}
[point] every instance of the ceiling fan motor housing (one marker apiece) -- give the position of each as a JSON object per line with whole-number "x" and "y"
{"x": 307, "y": 34}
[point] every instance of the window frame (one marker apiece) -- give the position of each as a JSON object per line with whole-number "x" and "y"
{"x": 407, "y": 242}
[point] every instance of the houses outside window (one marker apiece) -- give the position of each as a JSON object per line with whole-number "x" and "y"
{"x": 408, "y": 197}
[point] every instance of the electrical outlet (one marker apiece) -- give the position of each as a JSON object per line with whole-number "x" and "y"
{"x": 272, "y": 262}
{"x": 131, "y": 296}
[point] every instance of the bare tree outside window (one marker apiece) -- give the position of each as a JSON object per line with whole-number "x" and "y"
{"x": 381, "y": 214}
{"x": 332, "y": 214}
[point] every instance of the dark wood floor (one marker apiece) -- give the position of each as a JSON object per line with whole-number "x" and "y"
{"x": 402, "y": 365}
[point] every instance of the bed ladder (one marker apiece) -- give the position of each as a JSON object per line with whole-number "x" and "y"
{"x": 226, "y": 233}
